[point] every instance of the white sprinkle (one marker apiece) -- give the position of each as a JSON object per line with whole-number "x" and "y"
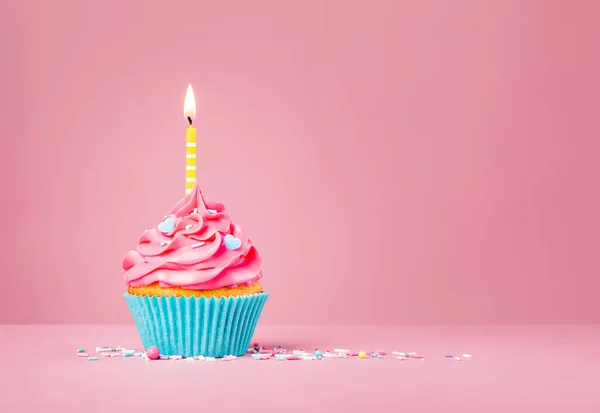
{"x": 300, "y": 353}
{"x": 230, "y": 357}
{"x": 196, "y": 245}
{"x": 175, "y": 357}
{"x": 195, "y": 210}
{"x": 212, "y": 211}
{"x": 309, "y": 357}
{"x": 201, "y": 358}
{"x": 412, "y": 354}
{"x": 161, "y": 357}
{"x": 457, "y": 358}
{"x": 163, "y": 243}
{"x": 330, "y": 354}
{"x": 188, "y": 226}
{"x": 209, "y": 359}
{"x": 105, "y": 354}
{"x": 341, "y": 350}
{"x": 401, "y": 358}
{"x": 467, "y": 356}
{"x": 401, "y": 353}
{"x": 189, "y": 358}
{"x": 115, "y": 354}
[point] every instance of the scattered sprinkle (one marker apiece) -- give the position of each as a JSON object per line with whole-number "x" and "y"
{"x": 467, "y": 356}
{"x": 448, "y": 355}
{"x": 212, "y": 211}
{"x": 81, "y": 350}
{"x": 163, "y": 243}
{"x": 195, "y": 210}
{"x": 188, "y": 226}
{"x": 82, "y": 354}
{"x": 92, "y": 358}
{"x": 196, "y": 245}
{"x": 457, "y": 359}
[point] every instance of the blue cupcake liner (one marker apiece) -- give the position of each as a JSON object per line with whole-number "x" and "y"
{"x": 197, "y": 326}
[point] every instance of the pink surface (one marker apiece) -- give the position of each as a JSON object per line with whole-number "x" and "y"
{"x": 514, "y": 369}
{"x": 420, "y": 161}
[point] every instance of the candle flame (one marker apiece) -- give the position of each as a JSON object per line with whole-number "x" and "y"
{"x": 189, "y": 107}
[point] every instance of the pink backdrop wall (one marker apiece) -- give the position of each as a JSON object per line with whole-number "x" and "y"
{"x": 394, "y": 161}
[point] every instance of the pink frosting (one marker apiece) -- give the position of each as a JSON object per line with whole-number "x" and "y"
{"x": 193, "y": 254}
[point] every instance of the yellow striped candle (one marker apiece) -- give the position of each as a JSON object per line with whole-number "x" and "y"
{"x": 189, "y": 111}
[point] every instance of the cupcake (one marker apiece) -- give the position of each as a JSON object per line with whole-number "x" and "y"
{"x": 193, "y": 282}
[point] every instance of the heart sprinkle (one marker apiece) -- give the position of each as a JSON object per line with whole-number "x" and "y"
{"x": 231, "y": 242}
{"x": 167, "y": 225}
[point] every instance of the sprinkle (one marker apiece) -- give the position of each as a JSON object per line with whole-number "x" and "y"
{"x": 201, "y": 358}
{"x": 188, "y": 226}
{"x": 163, "y": 243}
{"x": 375, "y": 355}
{"x": 175, "y": 357}
{"x": 212, "y": 211}
{"x": 362, "y": 354}
{"x": 400, "y": 353}
{"x": 196, "y": 245}
{"x": 195, "y": 210}
{"x": 448, "y": 355}
{"x": 417, "y": 356}
{"x": 189, "y": 359}
{"x": 105, "y": 348}
{"x": 343, "y": 355}
{"x": 281, "y": 358}
{"x": 161, "y": 357}
{"x": 93, "y": 358}
{"x": 299, "y": 353}
{"x": 105, "y": 354}
{"x": 115, "y": 354}
{"x": 467, "y": 356}
{"x": 81, "y": 350}
{"x": 340, "y": 350}
{"x": 401, "y": 358}
{"x": 82, "y": 354}
{"x": 457, "y": 359}
{"x": 311, "y": 358}
{"x": 209, "y": 359}
{"x": 229, "y": 357}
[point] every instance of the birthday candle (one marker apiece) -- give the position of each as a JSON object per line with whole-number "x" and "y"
{"x": 189, "y": 111}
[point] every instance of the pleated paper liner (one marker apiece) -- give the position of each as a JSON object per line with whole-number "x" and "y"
{"x": 194, "y": 326}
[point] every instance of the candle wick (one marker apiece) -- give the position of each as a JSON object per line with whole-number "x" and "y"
{"x": 189, "y": 120}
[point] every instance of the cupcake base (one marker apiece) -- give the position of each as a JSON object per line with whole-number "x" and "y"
{"x": 197, "y": 326}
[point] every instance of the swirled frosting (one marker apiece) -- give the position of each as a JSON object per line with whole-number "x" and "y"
{"x": 197, "y": 247}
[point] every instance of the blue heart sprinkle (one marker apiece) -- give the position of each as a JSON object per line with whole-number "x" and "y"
{"x": 167, "y": 225}
{"x": 231, "y": 242}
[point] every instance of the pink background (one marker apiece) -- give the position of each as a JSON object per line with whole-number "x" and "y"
{"x": 393, "y": 161}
